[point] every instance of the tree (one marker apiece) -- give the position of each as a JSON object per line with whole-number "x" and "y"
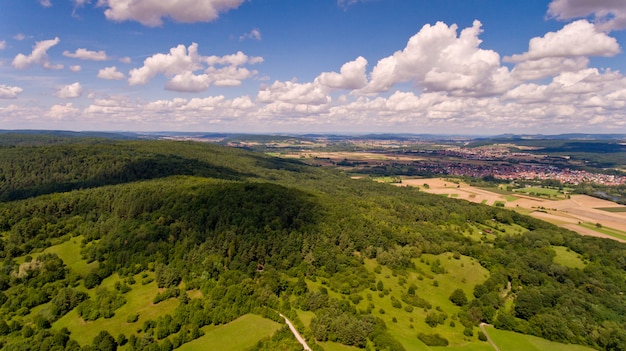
{"x": 104, "y": 342}
{"x": 458, "y": 297}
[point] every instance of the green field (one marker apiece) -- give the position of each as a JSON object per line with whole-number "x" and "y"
{"x": 511, "y": 341}
{"x": 333, "y": 346}
{"x": 567, "y": 258}
{"x": 612, "y": 209}
{"x": 238, "y": 335}
{"x": 542, "y": 192}
{"x": 605, "y": 230}
{"x": 69, "y": 252}
{"x": 462, "y": 273}
{"x": 138, "y": 300}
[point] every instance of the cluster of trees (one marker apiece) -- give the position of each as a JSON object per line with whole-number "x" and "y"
{"x": 246, "y": 230}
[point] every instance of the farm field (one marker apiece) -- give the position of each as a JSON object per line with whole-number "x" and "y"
{"x": 567, "y": 213}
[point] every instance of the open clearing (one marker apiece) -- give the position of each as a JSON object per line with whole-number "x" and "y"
{"x": 567, "y": 213}
{"x": 240, "y": 334}
{"x": 511, "y": 341}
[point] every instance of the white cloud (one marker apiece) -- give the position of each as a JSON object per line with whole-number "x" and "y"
{"x": 347, "y": 3}
{"x": 189, "y": 82}
{"x": 436, "y": 59}
{"x": 38, "y": 56}
{"x": 73, "y": 90}
{"x": 179, "y": 60}
{"x": 237, "y": 59}
{"x": 181, "y": 63}
{"x": 352, "y": 76}
{"x": 61, "y": 112}
{"x": 579, "y": 38}
{"x": 608, "y": 14}
{"x": 19, "y": 36}
{"x": 110, "y": 73}
{"x": 125, "y": 59}
{"x": 85, "y": 54}
{"x": 3, "y": 44}
{"x": 253, "y": 34}
{"x": 8, "y": 92}
{"x": 151, "y": 12}
{"x": 294, "y": 93}
{"x": 75, "y": 68}
{"x": 547, "y": 67}
{"x": 45, "y": 3}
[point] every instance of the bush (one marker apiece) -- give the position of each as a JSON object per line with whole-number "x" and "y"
{"x": 458, "y": 297}
{"x": 433, "y": 339}
{"x": 132, "y": 318}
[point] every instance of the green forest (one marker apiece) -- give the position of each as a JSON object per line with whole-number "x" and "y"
{"x": 148, "y": 245}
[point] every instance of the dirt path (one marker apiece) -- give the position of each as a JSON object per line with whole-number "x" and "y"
{"x": 296, "y": 334}
{"x": 493, "y": 344}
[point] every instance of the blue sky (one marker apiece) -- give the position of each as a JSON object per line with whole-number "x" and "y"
{"x": 353, "y": 66}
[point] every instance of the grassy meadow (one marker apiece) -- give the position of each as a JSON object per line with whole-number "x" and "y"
{"x": 511, "y": 341}
{"x": 238, "y": 335}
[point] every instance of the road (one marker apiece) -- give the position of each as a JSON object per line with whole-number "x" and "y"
{"x": 296, "y": 334}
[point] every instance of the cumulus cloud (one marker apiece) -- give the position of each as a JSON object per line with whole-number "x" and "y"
{"x": 70, "y": 91}
{"x": 60, "y": 112}
{"x": 9, "y": 92}
{"x": 352, "y": 76}
{"x": 45, "y": 3}
{"x": 237, "y": 59}
{"x": 38, "y": 56}
{"x": 3, "y": 44}
{"x": 253, "y": 34}
{"x": 180, "y": 59}
{"x": 19, "y": 37}
{"x": 294, "y": 93}
{"x": 75, "y": 68}
{"x": 579, "y": 38}
{"x": 125, "y": 59}
{"x": 547, "y": 67}
{"x": 151, "y": 12}
{"x": 608, "y": 14}
{"x": 110, "y": 73}
{"x": 436, "y": 59}
{"x": 84, "y": 54}
{"x": 181, "y": 64}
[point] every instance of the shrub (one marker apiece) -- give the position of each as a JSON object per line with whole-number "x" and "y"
{"x": 433, "y": 339}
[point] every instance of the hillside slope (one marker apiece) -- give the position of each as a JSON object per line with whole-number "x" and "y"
{"x": 210, "y": 234}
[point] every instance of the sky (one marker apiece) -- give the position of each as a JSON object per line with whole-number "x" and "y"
{"x": 480, "y": 67}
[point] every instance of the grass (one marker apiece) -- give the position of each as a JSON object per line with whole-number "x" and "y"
{"x": 511, "y": 198}
{"x": 483, "y": 346}
{"x": 334, "y": 346}
{"x": 497, "y": 190}
{"x": 612, "y": 209}
{"x": 462, "y": 273}
{"x": 511, "y": 341}
{"x": 69, "y": 252}
{"x": 567, "y": 258}
{"x": 138, "y": 300}
{"x": 542, "y": 192}
{"x": 238, "y": 335}
{"x": 605, "y": 230}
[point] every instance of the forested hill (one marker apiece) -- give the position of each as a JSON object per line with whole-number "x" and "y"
{"x": 92, "y": 228}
